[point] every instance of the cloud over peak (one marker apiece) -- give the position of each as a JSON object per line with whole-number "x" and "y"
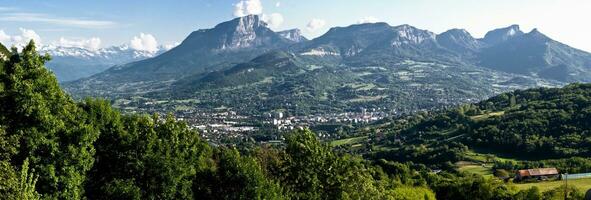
{"x": 90, "y": 44}
{"x": 248, "y": 7}
{"x": 274, "y": 20}
{"x": 255, "y": 7}
{"x": 315, "y": 24}
{"x": 368, "y": 19}
{"x": 144, "y": 42}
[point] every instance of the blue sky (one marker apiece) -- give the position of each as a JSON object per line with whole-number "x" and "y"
{"x": 115, "y": 22}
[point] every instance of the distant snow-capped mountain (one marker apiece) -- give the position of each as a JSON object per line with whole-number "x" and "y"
{"x": 72, "y": 63}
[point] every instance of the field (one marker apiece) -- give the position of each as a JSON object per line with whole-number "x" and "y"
{"x": 582, "y": 184}
{"x": 484, "y": 170}
{"x": 354, "y": 140}
{"x": 486, "y": 116}
{"x": 484, "y": 158}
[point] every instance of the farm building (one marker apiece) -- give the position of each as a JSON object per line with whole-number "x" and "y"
{"x": 538, "y": 174}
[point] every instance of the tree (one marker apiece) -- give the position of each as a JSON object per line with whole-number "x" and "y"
{"x": 512, "y": 101}
{"x": 411, "y": 193}
{"x": 312, "y": 171}
{"x": 530, "y": 194}
{"x": 47, "y": 124}
{"x": 13, "y": 186}
{"x": 158, "y": 157}
{"x": 235, "y": 177}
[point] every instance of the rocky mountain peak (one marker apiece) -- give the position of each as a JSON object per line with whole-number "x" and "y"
{"x": 537, "y": 34}
{"x": 407, "y": 34}
{"x": 502, "y": 34}
{"x": 294, "y": 35}
{"x": 458, "y": 40}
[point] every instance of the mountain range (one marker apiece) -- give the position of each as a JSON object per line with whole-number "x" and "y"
{"x": 73, "y": 63}
{"x": 242, "y": 61}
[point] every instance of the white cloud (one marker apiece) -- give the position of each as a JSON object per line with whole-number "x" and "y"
{"x": 170, "y": 46}
{"x": 36, "y": 17}
{"x": 315, "y": 24}
{"x": 278, "y": 4}
{"x": 248, "y": 7}
{"x": 144, "y": 42}
{"x": 274, "y": 20}
{"x": 4, "y": 38}
{"x": 28, "y": 35}
{"x": 368, "y": 19}
{"x": 20, "y": 40}
{"x": 90, "y": 44}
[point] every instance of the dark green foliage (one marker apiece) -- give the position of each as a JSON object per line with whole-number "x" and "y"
{"x": 449, "y": 186}
{"x": 235, "y": 177}
{"x": 545, "y": 123}
{"x": 571, "y": 165}
{"x": 313, "y": 171}
{"x": 4, "y": 52}
{"x": 47, "y": 124}
{"x": 531, "y": 194}
{"x": 157, "y": 156}
{"x": 121, "y": 189}
{"x": 17, "y": 186}
{"x": 411, "y": 193}
{"x": 440, "y": 155}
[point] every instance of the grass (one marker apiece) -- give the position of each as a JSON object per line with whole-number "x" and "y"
{"x": 382, "y": 148}
{"x": 582, "y": 184}
{"x": 361, "y": 86}
{"x": 367, "y": 98}
{"x": 354, "y": 140}
{"x": 182, "y": 108}
{"x": 485, "y": 170}
{"x": 477, "y": 163}
{"x": 487, "y": 115}
{"x": 480, "y": 157}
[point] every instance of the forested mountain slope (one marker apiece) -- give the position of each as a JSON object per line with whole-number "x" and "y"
{"x": 543, "y": 123}
{"x": 363, "y": 65}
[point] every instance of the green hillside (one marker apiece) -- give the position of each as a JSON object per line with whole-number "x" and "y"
{"x": 536, "y": 124}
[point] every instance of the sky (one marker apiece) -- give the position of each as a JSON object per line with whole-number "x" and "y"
{"x": 147, "y": 24}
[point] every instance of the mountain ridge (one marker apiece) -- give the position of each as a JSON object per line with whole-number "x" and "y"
{"x": 73, "y": 63}
{"x": 536, "y": 54}
{"x": 243, "y": 60}
{"x": 205, "y": 50}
